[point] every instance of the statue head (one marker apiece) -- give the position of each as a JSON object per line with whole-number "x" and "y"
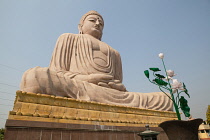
{"x": 91, "y": 23}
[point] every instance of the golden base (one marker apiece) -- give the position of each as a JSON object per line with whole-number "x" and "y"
{"x": 49, "y": 108}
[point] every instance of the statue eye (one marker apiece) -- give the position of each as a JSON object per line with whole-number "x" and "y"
{"x": 93, "y": 20}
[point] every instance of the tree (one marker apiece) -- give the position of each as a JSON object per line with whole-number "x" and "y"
{"x": 2, "y": 130}
{"x": 208, "y": 114}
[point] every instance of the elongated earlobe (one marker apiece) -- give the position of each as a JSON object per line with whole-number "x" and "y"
{"x": 80, "y": 29}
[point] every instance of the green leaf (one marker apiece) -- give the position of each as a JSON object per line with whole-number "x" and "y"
{"x": 185, "y": 90}
{"x": 160, "y": 76}
{"x": 184, "y": 86}
{"x": 146, "y": 72}
{"x": 184, "y": 106}
{"x": 160, "y": 82}
{"x": 154, "y": 69}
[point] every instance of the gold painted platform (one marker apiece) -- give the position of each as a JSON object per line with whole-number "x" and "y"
{"x": 49, "y": 108}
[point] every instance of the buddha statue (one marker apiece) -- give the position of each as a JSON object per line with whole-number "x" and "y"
{"x": 85, "y": 68}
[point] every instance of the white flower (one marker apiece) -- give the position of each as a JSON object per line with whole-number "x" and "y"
{"x": 161, "y": 55}
{"x": 176, "y": 85}
{"x": 170, "y": 74}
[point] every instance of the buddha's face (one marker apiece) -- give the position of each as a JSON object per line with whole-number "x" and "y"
{"x": 93, "y": 25}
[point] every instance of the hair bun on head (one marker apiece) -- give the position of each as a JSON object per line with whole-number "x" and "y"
{"x": 92, "y": 12}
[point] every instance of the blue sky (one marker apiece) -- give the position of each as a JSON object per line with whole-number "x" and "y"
{"x": 138, "y": 29}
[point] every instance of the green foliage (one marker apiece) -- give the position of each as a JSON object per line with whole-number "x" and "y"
{"x": 2, "y": 130}
{"x": 208, "y": 114}
{"x": 160, "y": 82}
{"x": 155, "y": 69}
{"x": 185, "y": 90}
{"x": 146, "y": 72}
{"x": 160, "y": 76}
{"x": 168, "y": 84}
{"x": 184, "y": 106}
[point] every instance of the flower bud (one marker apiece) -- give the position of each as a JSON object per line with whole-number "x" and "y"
{"x": 170, "y": 73}
{"x": 161, "y": 55}
{"x": 176, "y": 85}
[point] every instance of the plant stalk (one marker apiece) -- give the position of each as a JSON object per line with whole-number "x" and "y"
{"x": 175, "y": 105}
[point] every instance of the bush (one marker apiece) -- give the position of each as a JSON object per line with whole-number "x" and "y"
{"x": 2, "y": 130}
{"x": 208, "y": 114}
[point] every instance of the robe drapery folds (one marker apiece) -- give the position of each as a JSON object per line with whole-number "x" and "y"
{"x": 73, "y": 56}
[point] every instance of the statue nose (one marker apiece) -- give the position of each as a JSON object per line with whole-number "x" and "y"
{"x": 97, "y": 22}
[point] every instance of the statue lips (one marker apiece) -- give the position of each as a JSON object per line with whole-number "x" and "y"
{"x": 96, "y": 27}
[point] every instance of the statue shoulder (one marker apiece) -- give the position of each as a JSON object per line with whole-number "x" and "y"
{"x": 115, "y": 51}
{"x": 67, "y": 35}
{"x": 65, "y": 38}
